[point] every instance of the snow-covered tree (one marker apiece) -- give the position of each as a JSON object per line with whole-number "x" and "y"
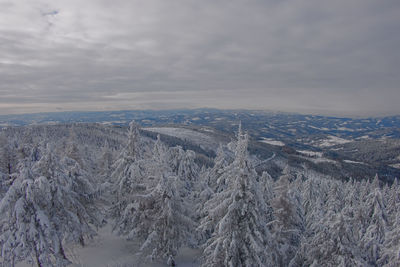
{"x": 128, "y": 174}
{"x": 289, "y": 221}
{"x": 390, "y": 254}
{"x": 241, "y": 236}
{"x": 27, "y": 229}
{"x": 8, "y": 156}
{"x": 72, "y": 149}
{"x": 374, "y": 236}
{"x": 332, "y": 245}
{"x": 217, "y": 170}
{"x": 47, "y": 204}
{"x": 161, "y": 220}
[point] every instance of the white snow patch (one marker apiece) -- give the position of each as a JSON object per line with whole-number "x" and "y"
{"x": 321, "y": 160}
{"x": 354, "y": 162}
{"x": 207, "y": 130}
{"x": 197, "y": 138}
{"x": 272, "y": 142}
{"x": 110, "y": 250}
{"x": 345, "y": 129}
{"x": 310, "y": 153}
{"x": 317, "y": 128}
{"x": 332, "y": 141}
{"x": 396, "y": 165}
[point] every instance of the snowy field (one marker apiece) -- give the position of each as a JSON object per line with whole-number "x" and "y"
{"x": 332, "y": 141}
{"x": 109, "y": 250}
{"x": 186, "y": 134}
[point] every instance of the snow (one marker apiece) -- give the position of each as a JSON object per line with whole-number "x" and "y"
{"x": 109, "y": 250}
{"x": 184, "y": 133}
{"x": 233, "y": 207}
{"x": 397, "y": 165}
{"x": 207, "y": 130}
{"x": 332, "y": 141}
{"x": 353, "y": 162}
{"x": 322, "y": 160}
{"x": 272, "y": 141}
{"x": 345, "y": 129}
{"x": 317, "y": 128}
{"x": 310, "y": 153}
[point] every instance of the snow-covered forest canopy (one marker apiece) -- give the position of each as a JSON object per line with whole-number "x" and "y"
{"x": 61, "y": 184}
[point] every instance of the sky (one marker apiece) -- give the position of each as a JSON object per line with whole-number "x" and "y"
{"x": 310, "y": 56}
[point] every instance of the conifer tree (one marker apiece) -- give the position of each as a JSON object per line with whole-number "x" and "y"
{"x": 128, "y": 175}
{"x": 241, "y": 236}
{"x": 374, "y": 236}
{"x": 288, "y": 215}
{"x": 48, "y": 203}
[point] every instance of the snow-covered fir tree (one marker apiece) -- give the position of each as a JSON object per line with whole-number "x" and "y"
{"x": 48, "y": 203}
{"x": 158, "y": 216}
{"x": 289, "y": 218}
{"x": 128, "y": 172}
{"x": 241, "y": 236}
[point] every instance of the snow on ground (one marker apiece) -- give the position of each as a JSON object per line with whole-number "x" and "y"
{"x": 317, "y": 128}
{"x": 364, "y": 137}
{"x": 197, "y": 138}
{"x": 109, "y": 250}
{"x": 345, "y": 129}
{"x": 207, "y": 130}
{"x": 332, "y": 141}
{"x": 354, "y": 162}
{"x": 397, "y": 165}
{"x": 310, "y": 153}
{"x": 272, "y": 141}
{"x": 321, "y": 160}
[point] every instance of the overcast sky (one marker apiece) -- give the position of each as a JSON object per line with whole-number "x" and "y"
{"x": 336, "y": 57}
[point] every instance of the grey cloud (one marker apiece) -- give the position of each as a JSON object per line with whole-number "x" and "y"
{"x": 335, "y": 57}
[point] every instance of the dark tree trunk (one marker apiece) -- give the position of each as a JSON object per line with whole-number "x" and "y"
{"x": 62, "y": 252}
{"x": 82, "y": 241}
{"x": 39, "y": 264}
{"x": 9, "y": 170}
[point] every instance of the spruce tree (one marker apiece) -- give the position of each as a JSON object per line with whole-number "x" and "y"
{"x": 241, "y": 236}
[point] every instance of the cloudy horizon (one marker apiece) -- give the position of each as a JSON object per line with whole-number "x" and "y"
{"x": 308, "y": 56}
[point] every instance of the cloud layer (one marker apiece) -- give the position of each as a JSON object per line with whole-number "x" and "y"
{"x": 330, "y": 57}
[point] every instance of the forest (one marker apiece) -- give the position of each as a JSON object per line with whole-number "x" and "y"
{"x": 61, "y": 183}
